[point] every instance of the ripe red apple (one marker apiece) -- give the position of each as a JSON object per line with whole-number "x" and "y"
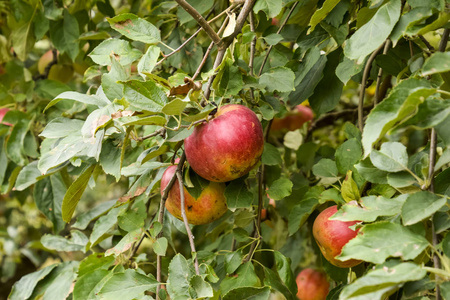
{"x": 275, "y": 22}
{"x": 312, "y": 285}
{"x": 332, "y": 235}
{"x": 3, "y": 112}
{"x": 208, "y": 207}
{"x": 294, "y": 119}
{"x": 228, "y": 146}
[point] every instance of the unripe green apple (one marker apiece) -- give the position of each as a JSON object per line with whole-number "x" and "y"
{"x": 332, "y": 235}
{"x": 228, "y": 146}
{"x": 312, "y": 285}
{"x": 208, "y": 207}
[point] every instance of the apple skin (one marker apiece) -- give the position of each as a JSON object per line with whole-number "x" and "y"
{"x": 332, "y": 235}
{"x": 208, "y": 207}
{"x": 3, "y": 112}
{"x": 228, "y": 146}
{"x": 294, "y": 119}
{"x": 312, "y": 285}
{"x": 264, "y": 210}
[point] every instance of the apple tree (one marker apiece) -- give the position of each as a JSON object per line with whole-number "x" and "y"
{"x": 352, "y": 103}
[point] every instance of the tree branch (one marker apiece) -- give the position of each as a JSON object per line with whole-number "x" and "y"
{"x": 186, "y": 224}
{"x": 278, "y": 32}
{"x": 240, "y": 20}
{"x": 161, "y": 217}
{"x": 377, "y": 97}
{"x": 363, "y": 86}
{"x": 201, "y": 21}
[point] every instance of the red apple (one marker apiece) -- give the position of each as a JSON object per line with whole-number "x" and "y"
{"x": 228, "y": 146}
{"x": 264, "y": 210}
{"x": 294, "y": 119}
{"x": 208, "y": 207}
{"x": 3, "y": 112}
{"x": 275, "y": 22}
{"x": 332, "y": 235}
{"x": 312, "y": 285}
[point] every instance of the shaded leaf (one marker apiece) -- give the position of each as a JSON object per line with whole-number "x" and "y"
{"x": 421, "y": 205}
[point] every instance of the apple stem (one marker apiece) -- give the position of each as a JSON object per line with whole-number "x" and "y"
{"x": 377, "y": 97}
{"x": 186, "y": 224}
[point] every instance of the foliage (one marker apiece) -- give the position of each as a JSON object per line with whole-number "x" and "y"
{"x": 90, "y": 135}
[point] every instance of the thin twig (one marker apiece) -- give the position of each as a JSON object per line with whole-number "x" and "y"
{"x": 363, "y": 86}
{"x": 278, "y": 32}
{"x": 240, "y": 20}
{"x": 377, "y": 98}
{"x": 252, "y": 44}
{"x": 201, "y": 21}
{"x": 186, "y": 224}
{"x": 433, "y": 145}
{"x": 192, "y": 36}
{"x": 161, "y": 218}
{"x": 424, "y": 40}
{"x": 161, "y": 131}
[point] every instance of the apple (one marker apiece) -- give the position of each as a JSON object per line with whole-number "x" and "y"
{"x": 312, "y": 285}
{"x": 332, "y": 235}
{"x": 275, "y": 22}
{"x": 208, "y": 207}
{"x": 228, "y": 146}
{"x": 3, "y": 112}
{"x": 44, "y": 60}
{"x": 294, "y": 119}
{"x": 264, "y": 210}
{"x": 59, "y": 71}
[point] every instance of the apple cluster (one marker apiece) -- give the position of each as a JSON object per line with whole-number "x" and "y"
{"x": 220, "y": 150}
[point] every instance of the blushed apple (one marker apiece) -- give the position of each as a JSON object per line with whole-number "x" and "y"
{"x": 3, "y": 112}
{"x": 294, "y": 119}
{"x": 312, "y": 285}
{"x": 228, "y": 146}
{"x": 332, "y": 235}
{"x": 208, "y": 207}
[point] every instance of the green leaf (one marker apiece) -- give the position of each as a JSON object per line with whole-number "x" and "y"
{"x": 160, "y": 246}
{"x": 285, "y": 272}
{"x": 372, "y": 34}
{"x": 94, "y": 262}
{"x": 280, "y": 188}
{"x": 401, "y": 179}
{"x": 300, "y": 212}
{"x": 135, "y": 28}
{"x": 379, "y": 241}
{"x": 328, "y": 91}
{"x": 419, "y": 206}
{"x": 22, "y": 35}
{"x": 381, "y": 282}
{"x": 347, "y": 68}
{"x": 238, "y": 195}
{"x": 392, "y": 157}
{"x": 349, "y": 189}
{"x": 370, "y": 208}
{"x": 133, "y": 218}
{"x": 228, "y": 81}
{"x": 23, "y": 288}
{"x": 248, "y": 293}
{"x": 437, "y": 63}
{"x": 15, "y": 142}
{"x": 110, "y": 158}
{"x": 271, "y": 156}
{"x": 269, "y": 7}
{"x": 117, "y": 49}
{"x": 278, "y": 79}
{"x": 125, "y": 243}
{"x": 74, "y": 193}
{"x": 77, "y": 242}
{"x": 232, "y": 261}
{"x": 199, "y": 288}
{"x": 64, "y": 35}
{"x": 148, "y": 60}
{"x": 321, "y": 13}
{"x": 103, "y": 225}
{"x": 79, "y": 97}
{"x": 201, "y": 6}
{"x": 144, "y": 95}
{"x": 311, "y": 79}
{"x": 431, "y": 113}
{"x": 127, "y": 286}
{"x": 446, "y": 245}
{"x": 174, "y": 107}
{"x": 326, "y": 168}
{"x": 400, "y": 105}
{"x": 347, "y": 155}
{"x": 48, "y": 195}
{"x": 246, "y": 277}
{"x": 88, "y": 285}
{"x": 27, "y": 176}
{"x": 61, "y": 286}
{"x": 273, "y": 39}
{"x": 61, "y": 127}
{"x": 369, "y": 172}
{"x": 179, "y": 278}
